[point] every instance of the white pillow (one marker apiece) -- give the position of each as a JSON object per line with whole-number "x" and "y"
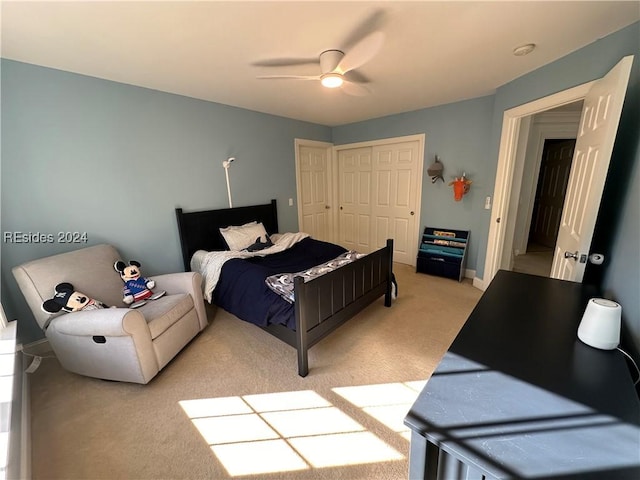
{"x": 239, "y": 238}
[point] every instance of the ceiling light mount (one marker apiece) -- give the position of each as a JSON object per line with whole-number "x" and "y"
{"x": 329, "y": 60}
{"x": 523, "y": 50}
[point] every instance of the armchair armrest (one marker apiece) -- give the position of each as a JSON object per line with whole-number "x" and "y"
{"x": 108, "y": 322}
{"x": 181, "y": 282}
{"x": 111, "y": 343}
{"x": 184, "y": 282}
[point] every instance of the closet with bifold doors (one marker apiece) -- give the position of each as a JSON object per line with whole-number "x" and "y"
{"x": 379, "y": 185}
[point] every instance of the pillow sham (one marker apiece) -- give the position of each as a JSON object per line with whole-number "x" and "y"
{"x": 240, "y": 237}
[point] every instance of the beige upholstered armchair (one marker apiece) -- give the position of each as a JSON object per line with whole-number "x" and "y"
{"x": 124, "y": 344}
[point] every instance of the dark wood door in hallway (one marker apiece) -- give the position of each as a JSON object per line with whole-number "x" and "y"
{"x": 550, "y": 193}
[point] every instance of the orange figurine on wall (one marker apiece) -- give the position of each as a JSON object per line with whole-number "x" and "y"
{"x": 460, "y": 187}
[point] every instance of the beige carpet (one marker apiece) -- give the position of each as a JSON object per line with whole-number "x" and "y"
{"x": 343, "y": 421}
{"x": 537, "y": 261}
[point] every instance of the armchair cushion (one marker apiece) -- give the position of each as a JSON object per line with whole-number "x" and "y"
{"x": 162, "y": 313}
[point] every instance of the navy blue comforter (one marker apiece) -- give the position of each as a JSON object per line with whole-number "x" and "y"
{"x": 242, "y": 291}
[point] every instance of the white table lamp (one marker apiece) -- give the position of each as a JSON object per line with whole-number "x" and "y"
{"x": 600, "y": 325}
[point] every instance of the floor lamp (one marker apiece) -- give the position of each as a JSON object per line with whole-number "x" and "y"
{"x": 226, "y": 165}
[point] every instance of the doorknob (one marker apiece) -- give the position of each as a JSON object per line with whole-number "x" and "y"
{"x": 327, "y": 207}
{"x": 412, "y": 213}
{"x": 571, "y": 255}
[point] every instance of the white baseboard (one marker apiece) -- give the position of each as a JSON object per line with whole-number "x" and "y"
{"x": 39, "y": 347}
{"x": 479, "y": 283}
{"x": 25, "y": 430}
{"x": 18, "y": 462}
{"x": 15, "y": 418}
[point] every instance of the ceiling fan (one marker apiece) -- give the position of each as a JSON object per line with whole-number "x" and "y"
{"x": 338, "y": 66}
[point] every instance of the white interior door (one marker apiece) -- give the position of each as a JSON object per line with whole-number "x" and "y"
{"x": 354, "y": 198}
{"x": 313, "y": 167}
{"x": 379, "y": 195}
{"x": 594, "y": 145}
{"x": 394, "y": 198}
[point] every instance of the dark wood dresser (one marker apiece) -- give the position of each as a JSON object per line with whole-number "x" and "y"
{"x": 518, "y": 395}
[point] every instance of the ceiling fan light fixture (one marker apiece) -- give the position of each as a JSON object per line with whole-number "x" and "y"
{"x": 331, "y": 80}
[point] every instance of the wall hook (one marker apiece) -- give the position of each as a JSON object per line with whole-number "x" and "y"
{"x": 435, "y": 170}
{"x": 461, "y": 186}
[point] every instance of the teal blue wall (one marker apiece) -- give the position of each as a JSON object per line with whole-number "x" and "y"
{"x": 587, "y": 64}
{"x": 83, "y": 154}
{"x": 621, "y": 272}
{"x": 459, "y": 134}
{"x": 466, "y": 135}
{"x": 114, "y": 160}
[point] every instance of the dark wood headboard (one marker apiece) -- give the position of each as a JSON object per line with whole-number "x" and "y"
{"x": 201, "y": 230}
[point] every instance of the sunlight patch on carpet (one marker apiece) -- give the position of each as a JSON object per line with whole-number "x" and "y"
{"x": 250, "y": 458}
{"x": 320, "y": 421}
{"x": 388, "y": 403}
{"x": 273, "y": 402}
{"x": 344, "y": 449}
{"x": 222, "y": 406}
{"x": 234, "y": 428}
{"x": 284, "y": 431}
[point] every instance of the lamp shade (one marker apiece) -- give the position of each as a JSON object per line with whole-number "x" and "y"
{"x": 600, "y": 324}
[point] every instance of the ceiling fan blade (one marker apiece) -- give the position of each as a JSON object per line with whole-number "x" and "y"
{"x": 285, "y": 62}
{"x": 356, "y": 77}
{"x": 355, "y": 89}
{"x": 373, "y": 23}
{"x": 361, "y": 53}
{"x": 289, "y": 77}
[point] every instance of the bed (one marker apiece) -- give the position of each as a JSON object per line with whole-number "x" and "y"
{"x": 320, "y": 305}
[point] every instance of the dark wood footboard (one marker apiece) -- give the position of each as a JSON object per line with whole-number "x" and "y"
{"x": 328, "y": 301}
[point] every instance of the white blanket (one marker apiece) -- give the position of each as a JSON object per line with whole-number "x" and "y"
{"x": 209, "y": 264}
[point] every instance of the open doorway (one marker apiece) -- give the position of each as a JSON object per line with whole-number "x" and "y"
{"x": 508, "y": 222}
{"x": 543, "y": 163}
{"x": 603, "y": 100}
{"x": 537, "y": 256}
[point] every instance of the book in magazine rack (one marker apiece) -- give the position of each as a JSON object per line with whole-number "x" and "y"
{"x": 321, "y": 304}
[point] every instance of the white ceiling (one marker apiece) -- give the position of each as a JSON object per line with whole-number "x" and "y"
{"x": 434, "y": 52}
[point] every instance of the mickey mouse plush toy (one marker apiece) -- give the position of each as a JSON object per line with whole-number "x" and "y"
{"x": 137, "y": 288}
{"x": 67, "y": 299}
